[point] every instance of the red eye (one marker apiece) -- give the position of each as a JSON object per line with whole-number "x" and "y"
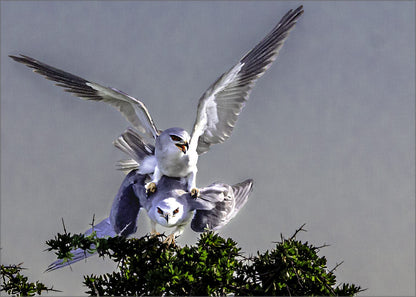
{"x": 159, "y": 211}
{"x": 175, "y": 138}
{"x": 176, "y": 211}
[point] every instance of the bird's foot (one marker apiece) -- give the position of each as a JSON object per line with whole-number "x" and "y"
{"x": 170, "y": 239}
{"x": 195, "y": 193}
{"x": 154, "y": 233}
{"x": 150, "y": 188}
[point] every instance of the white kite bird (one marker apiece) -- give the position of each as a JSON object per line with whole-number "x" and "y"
{"x": 171, "y": 206}
{"x": 175, "y": 150}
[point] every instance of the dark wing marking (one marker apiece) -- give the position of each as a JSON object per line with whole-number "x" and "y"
{"x": 126, "y": 205}
{"x": 131, "y": 108}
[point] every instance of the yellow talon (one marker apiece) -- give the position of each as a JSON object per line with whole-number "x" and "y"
{"x": 195, "y": 193}
{"x": 151, "y": 187}
{"x": 154, "y": 233}
{"x": 170, "y": 239}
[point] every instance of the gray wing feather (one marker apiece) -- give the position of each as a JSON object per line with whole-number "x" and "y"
{"x": 131, "y": 108}
{"x": 220, "y": 105}
{"x": 209, "y": 197}
{"x": 126, "y": 205}
{"x": 241, "y": 192}
{"x": 228, "y": 204}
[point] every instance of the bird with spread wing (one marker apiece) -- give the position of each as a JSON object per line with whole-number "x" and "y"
{"x": 171, "y": 206}
{"x": 175, "y": 152}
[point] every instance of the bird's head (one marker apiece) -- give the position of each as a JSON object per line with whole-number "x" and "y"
{"x": 178, "y": 137}
{"x": 168, "y": 212}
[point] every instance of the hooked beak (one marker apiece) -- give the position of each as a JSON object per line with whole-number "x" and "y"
{"x": 183, "y": 146}
{"x": 166, "y": 217}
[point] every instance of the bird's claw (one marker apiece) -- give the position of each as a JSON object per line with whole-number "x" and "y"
{"x": 154, "y": 233}
{"x": 170, "y": 239}
{"x": 195, "y": 193}
{"x": 150, "y": 188}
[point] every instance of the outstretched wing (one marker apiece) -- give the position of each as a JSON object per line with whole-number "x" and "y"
{"x": 226, "y": 205}
{"x": 131, "y": 108}
{"x": 220, "y": 105}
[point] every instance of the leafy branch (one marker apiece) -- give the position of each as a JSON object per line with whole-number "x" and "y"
{"x": 213, "y": 266}
{"x": 14, "y": 283}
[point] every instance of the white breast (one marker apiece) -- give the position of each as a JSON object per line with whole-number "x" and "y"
{"x": 172, "y": 162}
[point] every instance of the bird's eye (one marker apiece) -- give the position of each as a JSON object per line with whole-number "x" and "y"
{"x": 159, "y": 211}
{"x": 175, "y": 138}
{"x": 176, "y": 211}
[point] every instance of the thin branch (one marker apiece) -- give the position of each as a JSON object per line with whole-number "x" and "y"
{"x": 298, "y": 230}
{"x": 63, "y": 224}
{"x": 322, "y": 246}
{"x": 336, "y": 266}
{"x": 93, "y": 221}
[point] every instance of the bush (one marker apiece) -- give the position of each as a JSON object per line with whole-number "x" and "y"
{"x": 14, "y": 283}
{"x": 213, "y": 266}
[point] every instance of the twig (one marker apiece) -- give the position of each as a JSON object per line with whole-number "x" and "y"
{"x": 336, "y": 266}
{"x": 93, "y": 221}
{"x": 63, "y": 224}
{"x": 298, "y": 230}
{"x": 322, "y": 246}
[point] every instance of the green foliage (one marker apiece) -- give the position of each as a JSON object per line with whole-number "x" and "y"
{"x": 213, "y": 266}
{"x": 294, "y": 268}
{"x": 14, "y": 283}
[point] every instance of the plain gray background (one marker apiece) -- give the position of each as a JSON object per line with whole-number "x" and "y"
{"x": 328, "y": 133}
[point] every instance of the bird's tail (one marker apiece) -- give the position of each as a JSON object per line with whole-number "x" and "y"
{"x": 131, "y": 143}
{"x": 78, "y": 255}
{"x": 102, "y": 229}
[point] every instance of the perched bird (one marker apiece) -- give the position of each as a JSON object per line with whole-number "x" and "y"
{"x": 175, "y": 150}
{"x": 171, "y": 206}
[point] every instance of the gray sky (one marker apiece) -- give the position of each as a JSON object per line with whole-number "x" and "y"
{"x": 328, "y": 133}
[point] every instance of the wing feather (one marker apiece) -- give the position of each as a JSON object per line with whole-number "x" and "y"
{"x": 131, "y": 108}
{"x": 225, "y": 202}
{"x": 220, "y": 106}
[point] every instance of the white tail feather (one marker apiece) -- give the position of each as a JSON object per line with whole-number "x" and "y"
{"x": 127, "y": 165}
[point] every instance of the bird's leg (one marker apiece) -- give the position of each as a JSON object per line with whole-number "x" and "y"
{"x": 178, "y": 231}
{"x": 191, "y": 181}
{"x": 153, "y": 231}
{"x": 152, "y": 186}
{"x": 170, "y": 239}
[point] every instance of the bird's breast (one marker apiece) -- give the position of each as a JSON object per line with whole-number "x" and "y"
{"x": 176, "y": 163}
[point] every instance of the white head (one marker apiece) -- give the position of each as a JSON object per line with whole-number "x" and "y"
{"x": 177, "y": 137}
{"x": 168, "y": 212}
